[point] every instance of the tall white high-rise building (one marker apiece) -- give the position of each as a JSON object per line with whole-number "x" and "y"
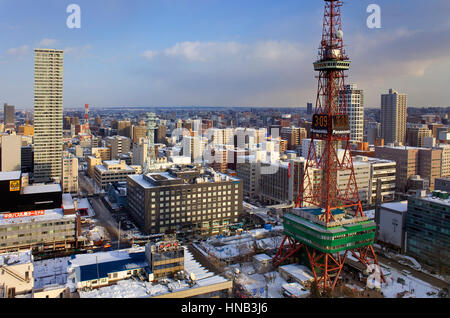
{"x": 393, "y": 117}
{"x": 355, "y": 110}
{"x": 48, "y": 114}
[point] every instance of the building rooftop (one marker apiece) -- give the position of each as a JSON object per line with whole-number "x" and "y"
{"x": 48, "y": 215}
{"x": 41, "y": 188}
{"x": 396, "y": 206}
{"x": 299, "y": 272}
{"x": 16, "y": 258}
{"x": 13, "y": 175}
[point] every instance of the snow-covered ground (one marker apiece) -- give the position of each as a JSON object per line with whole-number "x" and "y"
{"x": 414, "y": 288}
{"x": 230, "y": 247}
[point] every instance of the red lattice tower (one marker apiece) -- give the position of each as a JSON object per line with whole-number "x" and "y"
{"x": 331, "y": 129}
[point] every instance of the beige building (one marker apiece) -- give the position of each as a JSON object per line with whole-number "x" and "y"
{"x": 445, "y": 161}
{"x": 26, "y": 130}
{"x": 16, "y": 273}
{"x": 69, "y": 174}
{"x": 48, "y": 114}
{"x": 103, "y": 152}
{"x": 383, "y": 170}
{"x": 393, "y": 117}
{"x": 112, "y": 171}
{"x": 415, "y": 135}
{"x": 92, "y": 161}
{"x": 118, "y": 145}
{"x": 412, "y": 161}
{"x": 140, "y": 151}
{"x": 11, "y": 148}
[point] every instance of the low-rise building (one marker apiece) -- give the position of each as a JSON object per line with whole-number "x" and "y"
{"x": 16, "y": 273}
{"x": 391, "y": 222}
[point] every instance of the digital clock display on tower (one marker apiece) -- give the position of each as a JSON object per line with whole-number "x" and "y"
{"x": 320, "y": 124}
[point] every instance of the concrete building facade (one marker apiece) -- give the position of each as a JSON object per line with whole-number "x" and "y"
{"x": 48, "y": 114}
{"x": 393, "y": 117}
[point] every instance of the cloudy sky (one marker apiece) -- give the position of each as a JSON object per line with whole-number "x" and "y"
{"x": 222, "y": 52}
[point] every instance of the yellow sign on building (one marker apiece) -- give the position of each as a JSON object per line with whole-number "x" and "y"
{"x": 14, "y": 185}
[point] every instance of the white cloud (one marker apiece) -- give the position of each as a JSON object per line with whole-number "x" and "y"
{"x": 77, "y": 51}
{"x": 214, "y": 51}
{"x": 150, "y": 54}
{"x": 18, "y": 52}
{"x": 47, "y": 42}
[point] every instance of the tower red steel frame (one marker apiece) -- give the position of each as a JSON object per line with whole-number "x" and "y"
{"x": 330, "y": 127}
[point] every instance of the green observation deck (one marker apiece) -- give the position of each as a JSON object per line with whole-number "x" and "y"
{"x": 346, "y": 233}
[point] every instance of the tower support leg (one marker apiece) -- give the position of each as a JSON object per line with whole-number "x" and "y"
{"x": 287, "y": 248}
{"x": 326, "y": 268}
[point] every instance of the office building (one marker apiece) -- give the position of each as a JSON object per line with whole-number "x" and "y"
{"x": 294, "y": 136}
{"x": 393, "y": 117}
{"x": 428, "y": 229}
{"x": 139, "y": 132}
{"x": 104, "y": 153}
{"x": 249, "y": 172}
{"x": 25, "y": 130}
{"x": 355, "y": 110}
{"x": 191, "y": 201}
{"x": 442, "y": 184}
{"x": 140, "y": 150}
{"x": 412, "y": 161}
{"x": 48, "y": 114}
{"x": 415, "y": 135}
{"x": 112, "y": 171}
{"x": 280, "y": 181}
{"x": 372, "y": 131}
{"x": 118, "y": 145}
{"x": 9, "y": 115}
{"x": 385, "y": 171}
{"x": 309, "y": 108}
{"x": 69, "y": 174}
{"x": 26, "y": 159}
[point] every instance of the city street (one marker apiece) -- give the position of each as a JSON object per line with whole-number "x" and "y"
{"x": 414, "y": 273}
{"x": 105, "y": 219}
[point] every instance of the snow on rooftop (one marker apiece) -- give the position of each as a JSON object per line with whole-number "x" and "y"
{"x": 299, "y": 272}
{"x": 397, "y": 206}
{"x": 133, "y": 289}
{"x": 103, "y": 257}
{"x": 12, "y": 175}
{"x": 262, "y": 257}
{"x": 67, "y": 201}
{"x": 16, "y": 258}
{"x": 50, "y": 272}
{"x": 41, "y": 188}
{"x": 50, "y": 215}
{"x": 295, "y": 289}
